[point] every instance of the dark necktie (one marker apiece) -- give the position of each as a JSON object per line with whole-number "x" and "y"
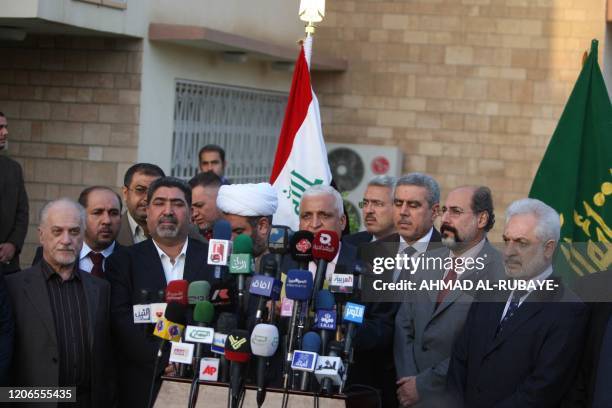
{"x": 512, "y": 308}
{"x": 451, "y": 276}
{"x": 97, "y": 259}
{"x": 408, "y": 251}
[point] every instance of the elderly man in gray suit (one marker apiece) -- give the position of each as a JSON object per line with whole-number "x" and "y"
{"x": 428, "y": 322}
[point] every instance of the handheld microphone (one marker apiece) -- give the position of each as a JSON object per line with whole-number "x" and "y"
{"x": 176, "y": 292}
{"x": 353, "y": 316}
{"x": 159, "y": 307}
{"x": 266, "y": 287}
{"x": 298, "y": 287}
{"x": 198, "y": 291}
{"x": 237, "y": 352}
{"x": 220, "y": 246}
{"x": 300, "y": 248}
{"x": 264, "y": 343}
{"x": 325, "y": 318}
{"x": 305, "y": 360}
{"x": 330, "y": 370}
{"x": 226, "y": 323}
{"x": 278, "y": 245}
{"x": 170, "y": 327}
{"x": 241, "y": 264}
{"x": 142, "y": 309}
{"x": 325, "y": 247}
{"x": 200, "y": 334}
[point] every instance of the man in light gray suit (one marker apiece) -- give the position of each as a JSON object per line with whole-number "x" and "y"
{"x": 428, "y": 322}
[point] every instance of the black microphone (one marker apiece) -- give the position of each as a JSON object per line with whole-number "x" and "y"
{"x": 266, "y": 287}
{"x": 237, "y": 352}
{"x": 300, "y": 248}
{"x": 226, "y": 323}
{"x": 278, "y": 244}
{"x": 199, "y": 334}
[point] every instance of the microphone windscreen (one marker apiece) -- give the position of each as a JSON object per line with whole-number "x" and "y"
{"x": 311, "y": 342}
{"x": 203, "y": 312}
{"x": 324, "y": 300}
{"x": 268, "y": 265}
{"x": 222, "y": 230}
{"x": 198, "y": 291}
{"x": 325, "y": 245}
{"x": 300, "y": 246}
{"x": 226, "y": 322}
{"x": 144, "y": 297}
{"x": 243, "y": 244}
{"x": 237, "y": 346}
{"x": 175, "y": 313}
{"x": 278, "y": 239}
{"x": 264, "y": 340}
{"x": 176, "y": 291}
{"x": 298, "y": 285}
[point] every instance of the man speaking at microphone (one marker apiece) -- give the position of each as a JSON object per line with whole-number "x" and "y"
{"x": 150, "y": 265}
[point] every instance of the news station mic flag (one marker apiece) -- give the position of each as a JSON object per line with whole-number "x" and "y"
{"x": 301, "y": 157}
{"x": 575, "y": 175}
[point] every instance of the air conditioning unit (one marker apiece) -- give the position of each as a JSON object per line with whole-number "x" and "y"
{"x": 354, "y": 165}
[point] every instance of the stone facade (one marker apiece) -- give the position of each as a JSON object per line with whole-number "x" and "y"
{"x": 73, "y": 109}
{"x": 470, "y": 90}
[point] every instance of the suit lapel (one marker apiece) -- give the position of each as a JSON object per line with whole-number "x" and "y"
{"x": 92, "y": 297}
{"x": 35, "y": 290}
{"x": 125, "y": 233}
{"x": 153, "y": 266}
{"x": 193, "y": 263}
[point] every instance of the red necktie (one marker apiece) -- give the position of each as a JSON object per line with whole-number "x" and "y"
{"x": 451, "y": 276}
{"x": 97, "y": 260}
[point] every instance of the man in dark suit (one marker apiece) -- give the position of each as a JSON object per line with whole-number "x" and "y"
{"x": 416, "y": 201}
{"x": 522, "y": 351}
{"x": 7, "y": 333}
{"x": 377, "y": 211}
{"x": 428, "y": 321}
{"x": 135, "y": 186}
{"x": 13, "y": 206}
{"x": 150, "y": 265}
{"x": 62, "y": 315}
{"x": 103, "y": 217}
{"x": 591, "y": 388}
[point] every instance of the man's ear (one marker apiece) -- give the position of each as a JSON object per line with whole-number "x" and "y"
{"x": 263, "y": 226}
{"x": 549, "y": 249}
{"x": 124, "y": 192}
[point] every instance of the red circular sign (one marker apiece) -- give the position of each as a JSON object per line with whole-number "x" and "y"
{"x": 380, "y": 165}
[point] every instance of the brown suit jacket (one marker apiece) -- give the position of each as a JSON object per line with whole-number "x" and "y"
{"x": 35, "y": 357}
{"x": 125, "y": 237}
{"x": 13, "y": 209}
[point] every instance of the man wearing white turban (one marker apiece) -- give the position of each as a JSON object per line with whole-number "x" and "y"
{"x": 249, "y": 209}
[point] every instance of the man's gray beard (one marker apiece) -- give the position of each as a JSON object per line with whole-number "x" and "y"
{"x": 449, "y": 242}
{"x": 165, "y": 232}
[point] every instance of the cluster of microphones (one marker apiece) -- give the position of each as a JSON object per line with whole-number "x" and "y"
{"x": 234, "y": 329}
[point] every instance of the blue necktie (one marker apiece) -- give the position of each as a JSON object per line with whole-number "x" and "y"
{"x": 512, "y": 308}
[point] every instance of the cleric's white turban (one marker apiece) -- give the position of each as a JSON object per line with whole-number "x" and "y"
{"x": 247, "y": 200}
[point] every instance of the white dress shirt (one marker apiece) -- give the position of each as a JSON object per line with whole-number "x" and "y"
{"x": 173, "y": 271}
{"x": 85, "y": 262}
{"x": 137, "y": 233}
{"x": 541, "y": 277}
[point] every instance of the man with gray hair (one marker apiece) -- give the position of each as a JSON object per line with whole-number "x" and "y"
{"x": 62, "y": 330}
{"x": 529, "y": 336}
{"x": 377, "y": 211}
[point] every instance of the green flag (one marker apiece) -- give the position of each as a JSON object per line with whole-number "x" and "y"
{"x": 575, "y": 176}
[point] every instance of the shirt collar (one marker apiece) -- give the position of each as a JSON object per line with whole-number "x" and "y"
{"x": 106, "y": 252}
{"x": 133, "y": 224}
{"x": 162, "y": 254}
{"x": 472, "y": 252}
{"x": 420, "y": 245}
{"x": 49, "y": 273}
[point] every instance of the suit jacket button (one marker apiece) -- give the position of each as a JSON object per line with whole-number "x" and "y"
{"x": 54, "y": 359}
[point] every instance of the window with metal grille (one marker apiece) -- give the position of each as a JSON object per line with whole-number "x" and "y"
{"x": 244, "y": 122}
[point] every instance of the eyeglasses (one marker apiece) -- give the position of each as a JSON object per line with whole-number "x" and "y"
{"x": 453, "y": 212}
{"x": 139, "y": 190}
{"x": 375, "y": 203}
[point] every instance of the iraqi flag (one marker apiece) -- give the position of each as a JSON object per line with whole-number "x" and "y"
{"x": 301, "y": 157}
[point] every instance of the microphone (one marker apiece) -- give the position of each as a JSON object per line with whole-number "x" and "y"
{"x": 300, "y": 248}
{"x": 170, "y": 327}
{"x": 353, "y": 316}
{"x": 220, "y": 246}
{"x": 330, "y": 370}
{"x": 264, "y": 343}
{"x": 198, "y": 291}
{"x": 298, "y": 287}
{"x": 237, "y": 352}
{"x": 159, "y": 307}
{"x": 241, "y": 264}
{"x": 226, "y": 323}
{"x": 325, "y": 247}
{"x": 266, "y": 287}
{"x": 305, "y": 360}
{"x": 199, "y": 334}
{"x": 142, "y": 309}
{"x": 176, "y": 292}
{"x": 278, "y": 245}
{"x": 325, "y": 318}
